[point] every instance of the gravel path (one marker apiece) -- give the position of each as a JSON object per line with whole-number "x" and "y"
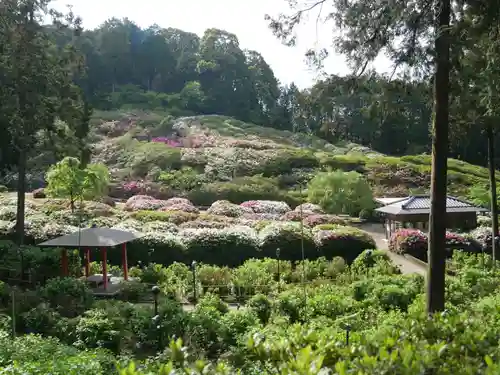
{"x": 406, "y": 266}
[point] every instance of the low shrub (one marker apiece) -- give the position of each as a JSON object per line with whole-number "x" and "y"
{"x": 227, "y": 208}
{"x": 409, "y": 241}
{"x": 38, "y": 193}
{"x": 3, "y": 189}
{"x": 267, "y": 207}
{"x": 296, "y": 215}
{"x": 315, "y": 220}
{"x": 145, "y": 204}
{"x": 311, "y": 207}
{"x": 183, "y": 207}
{"x": 175, "y": 217}
{"x": 345, "y": 242}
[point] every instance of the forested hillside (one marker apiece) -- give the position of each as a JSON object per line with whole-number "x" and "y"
{"x": 184, "y": 74}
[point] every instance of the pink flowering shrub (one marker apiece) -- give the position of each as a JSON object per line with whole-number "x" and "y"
{"x": 134, "y": 187}
{"x": 145, "y": 205}
{"x": 296, "y": 215}
{"x": 39, "y": 193}
{"x": 167, "y": 141}
{"x": 136, "y": 198}
{"x": 314, "y": 220}
{"x": 415, "y": 243}
{"x": 411, "y": 241}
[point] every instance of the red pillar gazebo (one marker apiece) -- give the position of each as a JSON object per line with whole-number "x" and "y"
{"x": 97, "y": 238}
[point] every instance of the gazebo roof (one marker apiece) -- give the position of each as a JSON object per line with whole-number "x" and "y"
{"x": 421, "y": 204}
{"x": 93, "y": 237}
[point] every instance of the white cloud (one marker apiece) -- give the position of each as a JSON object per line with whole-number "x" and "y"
{"x": 243, "y": 18}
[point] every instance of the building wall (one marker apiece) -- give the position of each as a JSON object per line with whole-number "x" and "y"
{"x": 454, "y": 220}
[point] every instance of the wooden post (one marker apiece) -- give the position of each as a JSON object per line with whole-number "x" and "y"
{"x": 124, "y": 261}
{"x": 64, "y": 261}
{"x": 87, "y": 262}
{"x": 104, "y": 268}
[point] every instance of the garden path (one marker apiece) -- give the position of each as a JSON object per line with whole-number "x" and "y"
{"x": 405, "y": 265}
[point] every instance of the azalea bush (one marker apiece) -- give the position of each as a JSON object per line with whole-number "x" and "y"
{"x": 293, "y": 241}
{"x": 415, "y": 242}
{"x": 310, "y": 207}
{"x": 411, "y": 241}
{"x": 267, "y": 207}
{"x": 183, "y": 207}
{"x": 227, "y": 208}
{"x": 229, "y": 246}
{"x": 341, "y": 241}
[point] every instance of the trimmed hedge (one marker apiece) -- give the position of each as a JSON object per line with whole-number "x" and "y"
{"x": 230, "y": 246}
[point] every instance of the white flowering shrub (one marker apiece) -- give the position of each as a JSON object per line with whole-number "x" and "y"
{"x": 309, "y": 207}
{"x": 176, "y": 201}
{"x": 183, "y": 207}
{"x": 267, "y": 207}
{"x": 160, "y": 226}
{"x": 145, "y": 205}
{"x": 226, "y": 208}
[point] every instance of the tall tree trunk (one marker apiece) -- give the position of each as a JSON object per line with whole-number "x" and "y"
{"x": 21, "y": 191}
{"x": 437, "y": 217}
{"x": 493, "y": 189}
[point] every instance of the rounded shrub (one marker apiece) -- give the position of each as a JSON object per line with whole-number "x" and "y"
{"x": 228, "y": 246}
{"x": 342, "y": 241}
{"x": 38, "y": 193}
{"x": 288, "y": 237}
{"x": 409, "y": 241}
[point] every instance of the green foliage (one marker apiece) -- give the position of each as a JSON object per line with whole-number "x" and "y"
{"x": 68, "y": 295}
{"x": 3, "y": 189}
{"x": 480, "y": 196}
{"x": 181, "y": 180}
{"x": 341, "y": 192}
{"x": 67, "y": 179}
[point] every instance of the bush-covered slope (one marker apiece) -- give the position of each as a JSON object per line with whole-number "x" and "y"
{"x": 214, "y": 157}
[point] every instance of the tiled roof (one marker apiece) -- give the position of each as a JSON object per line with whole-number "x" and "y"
{"x": 421, "y": 204}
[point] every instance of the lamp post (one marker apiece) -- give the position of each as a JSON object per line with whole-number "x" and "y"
{"x": 278, "y": 252}
{"x": 157, "y": 325}
{"x": 347, "y": 330}
{"x": 156, "y": 291}
{"x": 193, "y": 268}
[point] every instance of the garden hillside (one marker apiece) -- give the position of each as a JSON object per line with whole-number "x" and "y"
{"x": 209, "y": 158}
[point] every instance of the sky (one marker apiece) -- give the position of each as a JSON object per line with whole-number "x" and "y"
{"x": 240, "y": 17}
